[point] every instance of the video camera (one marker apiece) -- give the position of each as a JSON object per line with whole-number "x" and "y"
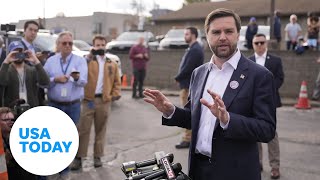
{"x": 19, "y": 106}
{"x": 8, "y": 27}
{"x": 160, "y": 167}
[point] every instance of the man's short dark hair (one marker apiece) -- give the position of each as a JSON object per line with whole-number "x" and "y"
{"x": 219, "y": 13}
{"x": 260, "y": 35}
{"x": 193, "y": 30}
{"x": 100, "y": 37}
{"x": 26, "y": 24}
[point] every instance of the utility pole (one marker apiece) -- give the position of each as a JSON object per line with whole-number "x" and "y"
{"x": 272, "y": 9}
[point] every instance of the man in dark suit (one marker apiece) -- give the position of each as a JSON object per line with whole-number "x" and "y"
{"x": 274, "y": 65}
{"x": 231, "y": 107}
{"x": 192, "y": 58}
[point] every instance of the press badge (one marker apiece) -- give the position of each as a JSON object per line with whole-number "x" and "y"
{"x": 64, "y": 92}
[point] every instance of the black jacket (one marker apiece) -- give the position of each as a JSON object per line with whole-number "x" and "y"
{"x": 193, "y": 58}
{"x": 274, "y": 65}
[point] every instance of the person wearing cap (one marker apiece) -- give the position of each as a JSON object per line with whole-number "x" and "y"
{"x": 19, "y": 80}
{"x": 252, "y": 30}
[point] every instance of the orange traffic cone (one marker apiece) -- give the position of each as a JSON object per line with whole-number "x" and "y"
{"x": 303, "y": 101}
{"x": 124, "y": 81}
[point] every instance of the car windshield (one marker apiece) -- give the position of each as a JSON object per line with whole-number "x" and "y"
{"x": 82, "y": 45}
{"x": 45, "y": 42}
{"x": 133, "y": 36}
{"x": 174, "y": 33}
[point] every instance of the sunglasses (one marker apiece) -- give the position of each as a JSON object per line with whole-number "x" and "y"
{"x": 259, "y": 43}
{"x": 65, "y": 43}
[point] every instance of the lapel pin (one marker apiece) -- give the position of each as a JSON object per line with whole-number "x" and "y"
{"x": 242, "y": 76}
{"x": 234, "y": 84}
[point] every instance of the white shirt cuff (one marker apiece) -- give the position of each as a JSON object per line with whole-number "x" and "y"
{"x": 225, "y": 126}
{"x": 169, "y": 117}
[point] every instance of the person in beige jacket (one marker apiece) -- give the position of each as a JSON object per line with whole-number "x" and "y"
{"x": 103, "y": 87}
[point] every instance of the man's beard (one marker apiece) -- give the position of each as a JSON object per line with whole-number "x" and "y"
{"x": 20, "y": 61}
{"x": 226, "y": 54}
{"x": 187, "y": 40}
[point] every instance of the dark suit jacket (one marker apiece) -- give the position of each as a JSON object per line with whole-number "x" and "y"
{"x": 252, "y": 119}
{"x": 2, "y": 56}
{"x": 35, "y": 76}
{"x": 274, "y": 64}
{"x": 192, "y": 59}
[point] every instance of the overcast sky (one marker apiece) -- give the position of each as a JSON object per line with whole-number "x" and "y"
{"x": 15, "y": 10}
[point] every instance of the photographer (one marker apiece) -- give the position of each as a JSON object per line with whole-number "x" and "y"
{"x": 103, "y": 87}
{"x": 19, "y": 80}
{"x": 14, "y": 170}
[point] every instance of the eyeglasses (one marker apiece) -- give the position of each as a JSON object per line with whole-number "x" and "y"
{"x": 259, "y": 43}
{"x": 6, "y": 120}
{"x": 65, "y": 43}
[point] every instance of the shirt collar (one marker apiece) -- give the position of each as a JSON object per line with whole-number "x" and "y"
{"x": 67, "y": 59}
{"x": 27, "y": 43}
{"x": 233, "y": 61}
{"x": 264, "y": 55}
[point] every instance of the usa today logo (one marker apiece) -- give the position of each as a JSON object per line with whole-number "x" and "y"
{"x": 44, "y": 140}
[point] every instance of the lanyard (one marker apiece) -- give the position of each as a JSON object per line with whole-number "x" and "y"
{"x": 22, "y": 79}
{"x": 64, "y": 71}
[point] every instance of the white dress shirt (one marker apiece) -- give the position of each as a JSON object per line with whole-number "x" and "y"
{"x": 99, "y": 86}
{"x": 218, "y": 80}
{"x": 261, "y": 59}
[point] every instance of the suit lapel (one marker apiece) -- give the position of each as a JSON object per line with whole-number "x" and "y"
{"x": 203, "y": 76}
{"x": 237, "y": 79}
{"x": 267, "y": 64}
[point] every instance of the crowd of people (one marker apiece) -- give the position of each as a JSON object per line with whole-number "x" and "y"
{"x": 295, "y": 38}
{"x": 81, "y": 87}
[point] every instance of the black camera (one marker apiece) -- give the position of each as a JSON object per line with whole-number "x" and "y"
{"x": 8, "y": 27}
{"x": 19, "y": 106}
{"x": 100, "y": 52}
{"x": 21, "y": 55}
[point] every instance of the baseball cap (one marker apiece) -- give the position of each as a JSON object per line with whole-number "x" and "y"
{"x": 15, "y": 45}
{"x": 252, "y": 19}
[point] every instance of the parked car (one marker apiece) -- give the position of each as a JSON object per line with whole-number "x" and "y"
{"x": 82, "y": 48}
{"x": 242, "y": 43}
{"x": 174, "y": 39}
{"x": 127, "y": 39}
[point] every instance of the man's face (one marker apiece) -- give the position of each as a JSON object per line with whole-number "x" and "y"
{"x": 223, "y": 37}
{"x": 6, "y": 121}
{"x": 141, "y": 41}
{"x": 187, "y": 36}
{"x": 259, "y": 44}
{"x": 65, "y": 44}
{"x": 99, "y": 44}
{"x": 31, "y": 32}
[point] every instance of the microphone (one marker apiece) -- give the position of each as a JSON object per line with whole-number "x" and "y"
{"x": 176, "y": 168}
{"x": 153, "y": 161}
{"x": 140, "y": 176}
